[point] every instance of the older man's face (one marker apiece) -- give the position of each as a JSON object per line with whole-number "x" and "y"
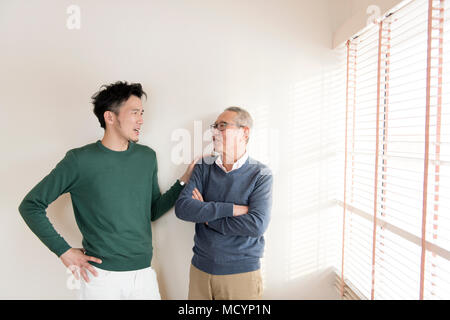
{"x": 232, "y": 138}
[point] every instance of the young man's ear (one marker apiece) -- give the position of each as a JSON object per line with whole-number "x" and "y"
{"x": 109, "y": 117}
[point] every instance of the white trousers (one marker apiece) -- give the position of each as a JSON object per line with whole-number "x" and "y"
{"x": 120, "y": 285}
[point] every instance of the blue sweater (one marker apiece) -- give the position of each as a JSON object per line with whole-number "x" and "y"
{"x": 227, "y": 245}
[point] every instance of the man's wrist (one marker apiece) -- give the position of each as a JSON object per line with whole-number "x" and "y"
{"x": 63, "y": 251}
{"x": 239, "y": 210}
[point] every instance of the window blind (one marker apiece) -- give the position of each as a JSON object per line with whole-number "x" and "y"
{"x": 396, "y": 203}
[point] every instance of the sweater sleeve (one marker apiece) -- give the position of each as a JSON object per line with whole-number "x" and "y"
{"x": 255, "y": 222}
{"x": 60, "y": 180}
{"x": 161, "y": 203}
{"x": 193, "y": 210}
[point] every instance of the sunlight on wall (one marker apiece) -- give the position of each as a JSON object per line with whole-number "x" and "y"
{"x": 264, "y": 144}
{"x": 264, "y": 147}
{"x": 313, "y": 124}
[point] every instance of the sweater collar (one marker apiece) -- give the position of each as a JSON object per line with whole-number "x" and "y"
{"x": 102, "y": 147}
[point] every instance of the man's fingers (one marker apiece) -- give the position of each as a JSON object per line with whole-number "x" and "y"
{"x": 196, "y": 160}
{"x": 94, "y": 259}
{"x": 92, "y": 270}
{"x": 84, "y": 274}
{"x": 75, "y": 272}
{"x": 197, "y": 194}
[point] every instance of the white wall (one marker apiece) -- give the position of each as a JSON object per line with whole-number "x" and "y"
{"x": 194, "y": 58}
{"x": 357, "y": 15}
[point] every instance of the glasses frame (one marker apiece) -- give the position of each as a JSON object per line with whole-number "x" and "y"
{"x": 215, "y": 126}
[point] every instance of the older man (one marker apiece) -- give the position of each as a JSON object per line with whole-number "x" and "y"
{"x": 229, "y": 197}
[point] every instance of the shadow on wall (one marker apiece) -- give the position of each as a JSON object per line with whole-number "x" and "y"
{"x": 317, "y": 285}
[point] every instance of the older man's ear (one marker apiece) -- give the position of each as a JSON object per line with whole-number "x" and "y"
{"x": 247, "y": 133}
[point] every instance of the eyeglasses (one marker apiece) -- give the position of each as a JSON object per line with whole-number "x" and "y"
{"x": 221, "y": 126}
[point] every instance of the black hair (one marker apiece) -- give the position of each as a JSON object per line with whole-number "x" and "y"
{"x": 110, "y": 98}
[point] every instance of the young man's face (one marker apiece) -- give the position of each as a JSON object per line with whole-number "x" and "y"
{"x": 130, "y": 119}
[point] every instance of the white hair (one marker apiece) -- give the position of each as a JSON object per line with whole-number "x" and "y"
{"x": 243, "y": 117}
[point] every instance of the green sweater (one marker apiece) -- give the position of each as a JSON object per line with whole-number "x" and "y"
{"x": 115, "y": 195}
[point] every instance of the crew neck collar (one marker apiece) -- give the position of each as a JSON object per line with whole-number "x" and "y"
{"x": 102, "y": 147}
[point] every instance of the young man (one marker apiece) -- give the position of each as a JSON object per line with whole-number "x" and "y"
{"x": 115, "y": 195}
{"x": 229, "y": 197}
